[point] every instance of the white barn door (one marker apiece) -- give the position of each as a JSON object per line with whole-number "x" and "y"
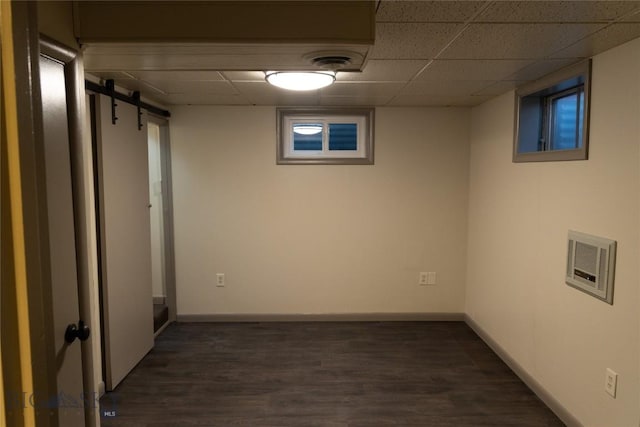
{"x": 125, "y": 241}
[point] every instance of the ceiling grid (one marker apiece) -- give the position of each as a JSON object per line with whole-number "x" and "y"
{"x": 426, "y": 53}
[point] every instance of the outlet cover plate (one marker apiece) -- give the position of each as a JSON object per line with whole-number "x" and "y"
{"x": 431, "y": 278}
{"x": 220, "y": 280}
{"x": 611, "y": 382}
{"x": 424, "y": 278}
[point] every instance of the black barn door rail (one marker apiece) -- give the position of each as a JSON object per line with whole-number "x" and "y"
{"x": 109, "y": 90}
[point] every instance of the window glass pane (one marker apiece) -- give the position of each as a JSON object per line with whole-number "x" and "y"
{"x": 553, "y": 116}
{"x": 343, "y": 136}
{"x": 530, "y": 125}
{"x": 325, "y": 135}
{"x": 566, "y": 122}
{"x": 307, "y": 137}
{"x": 580, "y": 115}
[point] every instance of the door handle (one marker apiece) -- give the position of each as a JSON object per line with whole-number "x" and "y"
{"x": 81, "y": 331}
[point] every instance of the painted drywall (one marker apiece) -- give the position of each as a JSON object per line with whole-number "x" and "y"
{"x": 519, "y": 216}
{"x": 55, "y": 19}
{"x": 311, "y": 239}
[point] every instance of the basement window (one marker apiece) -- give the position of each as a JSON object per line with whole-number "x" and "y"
{"x": 552, "y": 121}
{"x": 325, "y": 136}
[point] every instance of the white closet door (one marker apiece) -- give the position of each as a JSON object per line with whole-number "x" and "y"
{"x": 123, "y": 168}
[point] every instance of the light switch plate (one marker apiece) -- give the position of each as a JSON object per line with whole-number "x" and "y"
{"x": 431, "y": 278}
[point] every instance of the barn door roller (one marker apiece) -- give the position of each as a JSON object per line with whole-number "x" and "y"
{"x": 110, "y": 85}
{"x": 109, "y": 89}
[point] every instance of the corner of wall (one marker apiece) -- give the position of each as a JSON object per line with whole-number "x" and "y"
{"x": 519, "y": 215}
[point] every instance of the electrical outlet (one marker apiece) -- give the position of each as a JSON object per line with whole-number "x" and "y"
{"x": 423, "y": 279}
{"x": 611, "y": 382}
{"x": 220, "y": 280}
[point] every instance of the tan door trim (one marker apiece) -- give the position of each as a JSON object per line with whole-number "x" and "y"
{"x": 3, "y": 410}
{"x": 21, "y": 327}
{"x": 32, "y": 325}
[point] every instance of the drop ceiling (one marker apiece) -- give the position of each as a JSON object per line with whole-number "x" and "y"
{"x": 426, "y": 53}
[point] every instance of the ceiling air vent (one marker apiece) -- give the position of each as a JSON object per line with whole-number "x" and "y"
{"x": 331, "y": 61}
{"x": 334, "y": 60}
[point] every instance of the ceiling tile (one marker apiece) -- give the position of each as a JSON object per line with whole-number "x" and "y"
{"x": 632, "y": 17}
{"x": 148, "y": 93}
{"x": 205, "y": 99}
{"x": 188, "y": 86}
{"x": 262, "y": 93}
{"x": 541, "y": 68}
{"x": 556, "y": 11}
{"x": 355, "y": 100}
{"x": 427, "y": 11}
{"x": 605, "y": 39}
{"x": 467, "y": 69}
{"x": 147, "y": 88}
{"x": 412, "y": 41}
{"x": 112, "y": 75}
{"x": 445, "y": 87}
{"x": 247, "y": 76}
{"x": 385, "y": 70}
{"x": 136, "y": 85}
{"x": 156, "y": 75}
{"x": 438, "y": 101}
{"x": 362, "y": 89}
{"x": 498, "y": 88}
{"x": 426, "y": 53}
{"x": 515, "y": 41}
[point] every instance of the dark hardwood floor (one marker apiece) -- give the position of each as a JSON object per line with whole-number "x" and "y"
{"x": 323, "y": 374}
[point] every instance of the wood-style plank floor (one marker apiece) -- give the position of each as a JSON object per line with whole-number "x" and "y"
{"x": 323, "y": 374}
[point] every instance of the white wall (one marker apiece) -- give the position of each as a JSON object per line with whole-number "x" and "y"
{"x": 519, "y": 215}
{"x": 318, "y": 239}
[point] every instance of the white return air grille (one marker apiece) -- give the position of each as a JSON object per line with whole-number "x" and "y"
{"x": 591, "y": 265}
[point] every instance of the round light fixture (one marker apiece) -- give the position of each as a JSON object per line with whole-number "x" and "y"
{"x": 300, "y": 80}
{"x": 307, "y": 129}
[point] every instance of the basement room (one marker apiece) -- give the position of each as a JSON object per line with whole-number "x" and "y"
{"x": 353, "y": 213}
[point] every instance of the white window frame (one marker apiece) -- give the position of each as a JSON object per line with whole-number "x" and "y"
{"x": 287, "y": 118}
{"x": 546, "y": 89}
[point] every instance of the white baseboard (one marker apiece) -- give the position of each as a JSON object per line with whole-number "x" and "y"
{"x": 531, "y": 382}
{"x": 330, "y": 317}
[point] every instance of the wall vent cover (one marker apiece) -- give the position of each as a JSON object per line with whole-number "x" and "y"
{"x": 591, "y": 265}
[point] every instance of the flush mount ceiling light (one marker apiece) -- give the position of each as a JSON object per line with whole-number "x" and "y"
{"x": 307, "y": 129}
{"x": 300, "y": 80}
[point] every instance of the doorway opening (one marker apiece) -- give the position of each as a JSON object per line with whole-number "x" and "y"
{"x": 160, "y": 221}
